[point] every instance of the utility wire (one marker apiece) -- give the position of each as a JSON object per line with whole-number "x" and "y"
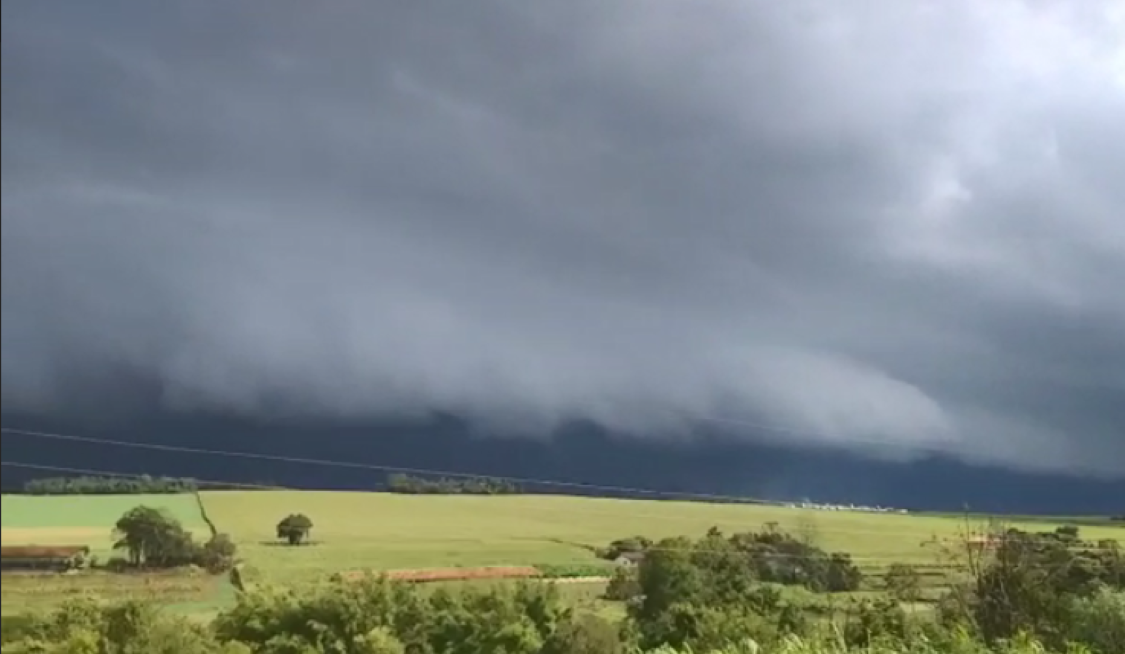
{"x": 375, "y": 467}
{"x": 526, "y": 481}
{"x": 870, "y": 562}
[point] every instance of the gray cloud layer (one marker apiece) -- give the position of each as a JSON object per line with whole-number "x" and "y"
{"x": 859, "y": 223}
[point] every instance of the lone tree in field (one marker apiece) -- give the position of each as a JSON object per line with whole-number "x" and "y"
{"x": 294, "y": 528}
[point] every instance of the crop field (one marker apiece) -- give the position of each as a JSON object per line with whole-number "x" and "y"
{"x": 379, "y": 531}
{"x": 88, "y": 520}
{"x": 423, "y": 536}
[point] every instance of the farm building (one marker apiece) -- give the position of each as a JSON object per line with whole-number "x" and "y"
{"x": 43, "y": 557}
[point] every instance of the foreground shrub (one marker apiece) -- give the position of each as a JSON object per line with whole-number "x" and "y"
{"x": 1098, "y": 622}
{"x": 903, "y": 582}
{"x": 1033, "y": 583}
{"x": 623, "y": 586}
{"x": 81, "y": 627}
{"x": 336, "y": 616}
{"x": 585, "y": 634}
{"x": 879, "y": 621}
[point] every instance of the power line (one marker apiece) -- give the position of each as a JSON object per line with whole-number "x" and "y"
{"x": 526, "y": 481}
{"x": 135, "y": 475}
{"x": 274, "y": 487}
{"x": 868, "y": 561}
{"x": 375, "y": 467}
{"x": 734, "y": 501}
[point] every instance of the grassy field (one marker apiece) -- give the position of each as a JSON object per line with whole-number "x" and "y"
{"x": 377, "y": 531}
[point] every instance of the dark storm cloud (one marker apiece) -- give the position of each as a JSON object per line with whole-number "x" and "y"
{"x": 853, "y": 224}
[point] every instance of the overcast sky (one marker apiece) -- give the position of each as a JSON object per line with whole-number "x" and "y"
{"x": 858, "y": 223}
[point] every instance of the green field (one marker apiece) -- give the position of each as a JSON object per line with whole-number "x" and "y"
{"x": 379, "y": 531}
{"x": 355, "y": 531}
{"x": 84, "y": 519}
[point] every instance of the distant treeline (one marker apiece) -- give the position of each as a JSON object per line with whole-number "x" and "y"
{"x": 139, "y": 485}
{"x": 89, "y": 485}
{"x": 400, "y": 483}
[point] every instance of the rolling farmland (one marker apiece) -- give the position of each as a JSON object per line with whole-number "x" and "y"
{"x": 355, "y": 532}
{"x": 379, "y": 531}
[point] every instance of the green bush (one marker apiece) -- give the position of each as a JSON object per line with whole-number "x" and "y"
{"x": 1098, "y": 622}
{"x": 81, "y": 627}
{"x": 903, "y": 583}
{"x": 584, "y": 634}
{"x": 623, "y": 586}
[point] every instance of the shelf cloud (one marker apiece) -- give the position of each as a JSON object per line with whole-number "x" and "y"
{"x": 894, "y": 226}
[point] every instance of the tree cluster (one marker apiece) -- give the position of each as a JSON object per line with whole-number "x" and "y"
{"x": 401, "y": 483}
{"x": 703, "y": 593}
{"x": 92, "y": 485}
{"x": 152, "y": 539}
{"x": 769, "y": 555}
{"x": 1039, "y": 583}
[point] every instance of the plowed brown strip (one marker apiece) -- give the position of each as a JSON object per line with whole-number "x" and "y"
{"x": 454, "y": 574}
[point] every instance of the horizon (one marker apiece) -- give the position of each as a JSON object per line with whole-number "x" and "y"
{"x": 787, "y": 248}
{"x": 343, "y": 458}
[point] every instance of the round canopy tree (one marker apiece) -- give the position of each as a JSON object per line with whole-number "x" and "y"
{"x": 294, "y": 528}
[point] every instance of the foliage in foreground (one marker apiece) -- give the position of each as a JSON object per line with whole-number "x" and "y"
{"x": 377, "y": 616}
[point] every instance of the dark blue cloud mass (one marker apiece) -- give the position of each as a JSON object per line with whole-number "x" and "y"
{"x": 892, "y": 227}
